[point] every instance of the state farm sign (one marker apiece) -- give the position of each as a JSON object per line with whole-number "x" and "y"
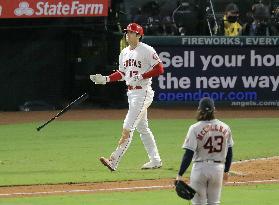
{"x": 53, "y": 8}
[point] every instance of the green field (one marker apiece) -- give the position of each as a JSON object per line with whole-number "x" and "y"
{"x": 67, "y": 152}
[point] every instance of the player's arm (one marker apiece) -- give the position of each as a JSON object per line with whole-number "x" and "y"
{"x": 101, "y": 79}
{"x": 157, "y": 70}
{"x": 185, "y": 163}
{"x": 228, "y": 159}
{"x": 116, "y": 76}
{"x": 229, "y": 156}
{"x": 190, "y": 144}
{"x": 155, "y": 63}
{"x": 228, "y": 163}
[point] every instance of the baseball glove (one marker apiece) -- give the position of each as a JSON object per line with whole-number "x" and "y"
{"x": 183, "y": 190}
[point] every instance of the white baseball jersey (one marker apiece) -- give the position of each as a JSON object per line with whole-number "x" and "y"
{"x": 209, "y": 140}
{"x": 138, "y": 61}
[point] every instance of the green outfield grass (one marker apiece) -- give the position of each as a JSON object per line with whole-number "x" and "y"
{"x": 69, "y": 151}
{"x": 240, "y": 195}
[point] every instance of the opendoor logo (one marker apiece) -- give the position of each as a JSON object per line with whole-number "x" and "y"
{"x": 23, "y": 9}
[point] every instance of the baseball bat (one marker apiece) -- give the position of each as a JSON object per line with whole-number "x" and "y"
{"x": 65, "y": 109}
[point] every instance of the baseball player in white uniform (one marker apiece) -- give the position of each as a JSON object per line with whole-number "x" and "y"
{"x": 138, "y": 63}
{"x": 209, "y": 144}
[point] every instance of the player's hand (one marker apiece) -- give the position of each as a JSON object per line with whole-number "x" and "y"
{"x": 178, "y": 178}
{"x": 99, "y": 79}
{"x": 226, "y": 176}
{"x": 134, "y": 81}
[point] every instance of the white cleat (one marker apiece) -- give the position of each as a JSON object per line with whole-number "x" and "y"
{"x": 152, "y": 165}
{"x": 107, "y": 163}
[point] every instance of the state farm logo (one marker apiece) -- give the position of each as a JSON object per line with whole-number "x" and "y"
{"x": 0, "y": 10}
{"x": 23, "y": 9}
{"x": 59, "y": 8}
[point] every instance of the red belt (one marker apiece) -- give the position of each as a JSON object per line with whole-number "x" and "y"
{"x": 134, "y": 87}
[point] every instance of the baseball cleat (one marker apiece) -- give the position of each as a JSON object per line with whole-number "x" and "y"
{"x": 107, "y": 163}
{"x": 152, "y": 165}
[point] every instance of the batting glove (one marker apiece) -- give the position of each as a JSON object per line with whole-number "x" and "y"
{"x": 134, "y": 81}
{"x": 99, "y": 79}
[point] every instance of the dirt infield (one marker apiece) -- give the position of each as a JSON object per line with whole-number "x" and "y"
{"x": 247, "y": 172}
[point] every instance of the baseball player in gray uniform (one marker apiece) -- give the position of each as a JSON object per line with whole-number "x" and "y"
{"x": 138, "y": 63}
{"x": 209, "y": 144}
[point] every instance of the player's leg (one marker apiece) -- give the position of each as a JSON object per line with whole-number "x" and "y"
{"x": 146, "y": 134}
{"x": 215, "y": 184}
{"x": 123, "y": 145}
{"x": 131, "y": 120}
{"x": 198, "y": 180}
{"x": 149, "y": 143}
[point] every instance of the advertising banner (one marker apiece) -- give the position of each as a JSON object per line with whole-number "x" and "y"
{"x": 235, "y": 76}
{"x": 52, "y": 8}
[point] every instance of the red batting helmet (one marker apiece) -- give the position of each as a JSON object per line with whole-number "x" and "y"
{"x": 135, "y": 28}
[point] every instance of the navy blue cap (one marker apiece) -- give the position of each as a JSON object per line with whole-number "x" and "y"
{"x": 206, "y": 104}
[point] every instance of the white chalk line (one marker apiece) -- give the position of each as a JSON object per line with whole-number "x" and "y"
{"x": 121, "y": 189}
{"x": 87, "y": 190}
{"x": 138, "y": 188}
{"x": 260, "y": 159}
{"x": 253, "y": 182}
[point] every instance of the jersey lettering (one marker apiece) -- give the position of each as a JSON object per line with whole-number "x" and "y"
{"x": 133, "y": 73}
{"x": 209, "y": 144}
{"x": 132, "y": 62}
{"x": 219, "y": 140}
{"x": 208, "y": 128}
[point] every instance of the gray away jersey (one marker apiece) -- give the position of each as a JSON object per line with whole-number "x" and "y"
{"x": 209, "y": 140}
